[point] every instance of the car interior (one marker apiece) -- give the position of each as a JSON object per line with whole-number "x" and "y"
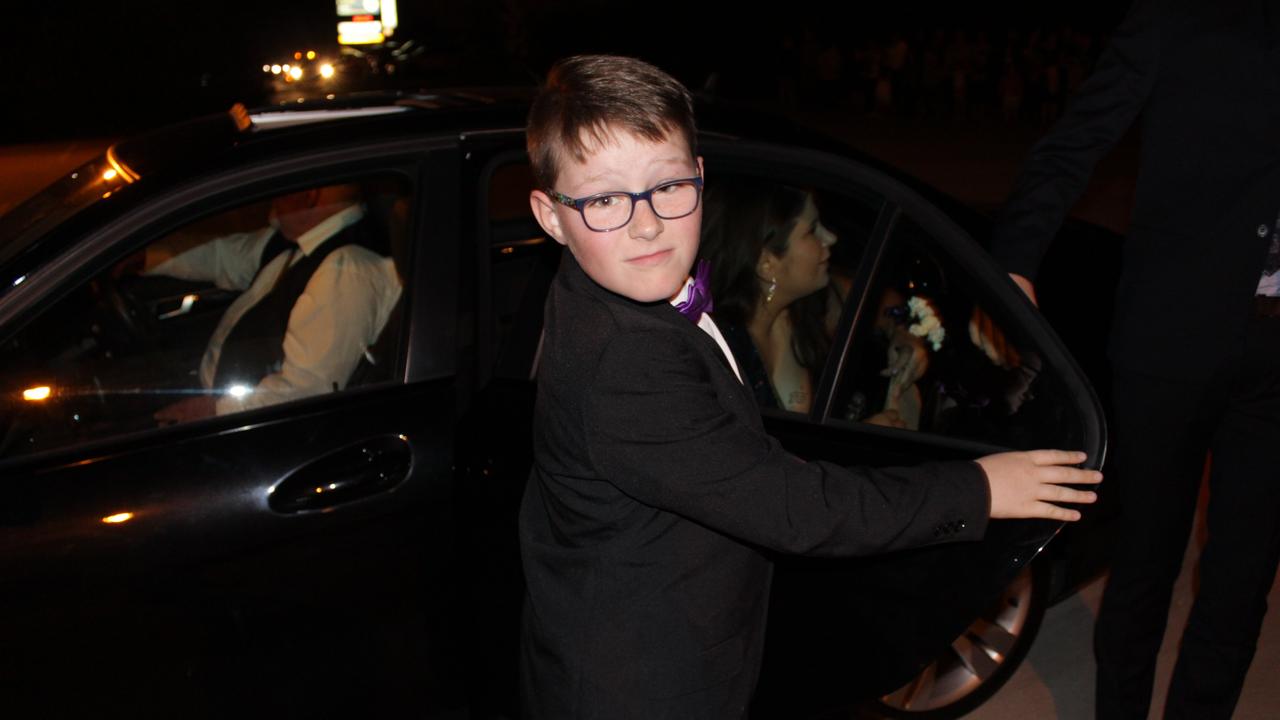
{"x": 980, "y": 382}
{"x": 124, "y": 344}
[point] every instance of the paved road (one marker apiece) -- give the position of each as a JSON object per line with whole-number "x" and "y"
{"x": 1056, "y": 680}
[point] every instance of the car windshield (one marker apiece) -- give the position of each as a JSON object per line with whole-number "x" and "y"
{"x": 70, "y": 194}
{"x": 24, "y": 226}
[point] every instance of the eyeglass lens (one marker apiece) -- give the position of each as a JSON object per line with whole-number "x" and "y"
{"x": 669, "y": 201}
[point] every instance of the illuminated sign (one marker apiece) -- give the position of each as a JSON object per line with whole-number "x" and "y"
{"x": 351, "y": 8}
{"x": 365, "y": 22}
{"x": 360, "y": 33}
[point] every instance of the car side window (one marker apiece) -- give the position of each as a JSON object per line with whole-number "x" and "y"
{"x": 286, "y": 297}
{"x": 782, "y": 261}
{"x": 932, "y": 351}
{"x": 523, "y": 261}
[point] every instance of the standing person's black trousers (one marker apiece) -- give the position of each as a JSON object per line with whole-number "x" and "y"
{"x": 1163, "y": 430}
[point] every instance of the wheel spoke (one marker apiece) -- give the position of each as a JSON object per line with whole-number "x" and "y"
{"x": 974, "y": 657}
{"x": 997, "y": 641}
{"x": 914, "y": 693}
{"x": 921, "y": 689}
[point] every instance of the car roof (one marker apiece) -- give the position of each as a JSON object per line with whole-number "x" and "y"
{"x": 174, "y": 153}
{"x": 307, "y": 122}
{"x": 187, "y": 149}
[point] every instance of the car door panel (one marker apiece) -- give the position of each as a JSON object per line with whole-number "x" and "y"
{"x": 232, "y": 563}
{"x": 200, "y": 508}
{"x": 85, "y": 505}
{"x": 840, "y": 630}
{"x": 843, "y": 630}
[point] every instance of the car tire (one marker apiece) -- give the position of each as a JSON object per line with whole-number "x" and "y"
{"x": 981, "y": 659}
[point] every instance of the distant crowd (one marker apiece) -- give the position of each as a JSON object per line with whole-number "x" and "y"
{"x": 1012, "y": 75}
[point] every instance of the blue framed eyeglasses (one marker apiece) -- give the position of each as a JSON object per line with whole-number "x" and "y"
{"x": 607, "y": 211}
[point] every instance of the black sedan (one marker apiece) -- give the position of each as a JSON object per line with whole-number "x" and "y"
{"x": 353, "y": 551}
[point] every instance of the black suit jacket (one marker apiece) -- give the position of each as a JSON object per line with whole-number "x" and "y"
{"x": 654, "y": 495}
{"x": 1204, "y": 75}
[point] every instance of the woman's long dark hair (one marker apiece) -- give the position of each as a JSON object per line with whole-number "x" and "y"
{"x": 741, "y": 218}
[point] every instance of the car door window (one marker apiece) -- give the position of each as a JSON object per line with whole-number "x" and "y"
{"x": 782, "y": 263}
{"x": 523, "y": 260}
{"x": 934, "y": 351}
{"x": 289, "y": 296}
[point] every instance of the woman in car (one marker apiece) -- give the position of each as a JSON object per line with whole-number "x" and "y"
{"x": 777, "y": 301}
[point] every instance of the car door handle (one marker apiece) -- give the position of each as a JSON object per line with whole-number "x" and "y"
{"x": 356, "y": 471}
{"x": 188, "y": 302}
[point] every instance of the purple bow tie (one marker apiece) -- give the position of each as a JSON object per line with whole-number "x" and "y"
{"x": 699, "y": 299}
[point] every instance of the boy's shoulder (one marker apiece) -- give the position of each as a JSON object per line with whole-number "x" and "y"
{"x": 579, "y": 303}
{"x": 585, "y": 323}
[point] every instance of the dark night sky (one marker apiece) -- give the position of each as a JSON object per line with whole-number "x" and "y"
{"x": 118, "y": 65}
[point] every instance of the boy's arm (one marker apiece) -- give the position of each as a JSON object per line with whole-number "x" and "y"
{"x": 659, "y": 433}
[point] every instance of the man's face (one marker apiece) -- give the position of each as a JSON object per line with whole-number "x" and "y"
{"x": 291, "y": 213}
{"x": 296, "y": 213}
{"x": 648, "y": 259}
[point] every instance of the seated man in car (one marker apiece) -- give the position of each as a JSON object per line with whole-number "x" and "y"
{"x": 314, "y": 298}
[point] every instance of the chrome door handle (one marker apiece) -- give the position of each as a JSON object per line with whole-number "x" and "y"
{"x": 188, "y": 302}
{"x": 354, "y": 472}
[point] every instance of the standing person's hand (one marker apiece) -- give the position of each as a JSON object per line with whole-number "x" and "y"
{"x": 1032, "y": 484}
{"x": 1026, "y": 286}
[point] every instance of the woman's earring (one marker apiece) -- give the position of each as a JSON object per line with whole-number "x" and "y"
{"x": 769, "y": 291}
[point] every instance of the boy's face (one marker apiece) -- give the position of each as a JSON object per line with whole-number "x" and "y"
{"x": 648, "y": 259}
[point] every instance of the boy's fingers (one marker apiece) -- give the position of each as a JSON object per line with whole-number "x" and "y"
{"x": 1053, "y": 512}
{"x": 1057, "y": 457}
{"x": 1063, "y": 475}
{"x": 1059, "y": 494}
{"x": 1086, "y": 477}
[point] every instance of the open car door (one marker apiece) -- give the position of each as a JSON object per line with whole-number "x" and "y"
{"x": 992, "y": 377}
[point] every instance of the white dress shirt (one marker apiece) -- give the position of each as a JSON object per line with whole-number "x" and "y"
{"x": 338, "y": 316}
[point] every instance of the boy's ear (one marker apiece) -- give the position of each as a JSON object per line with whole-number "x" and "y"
{"x": 544, "y": 211}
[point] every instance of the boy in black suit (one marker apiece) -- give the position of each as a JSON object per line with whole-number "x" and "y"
{"x": 654, "y": 486}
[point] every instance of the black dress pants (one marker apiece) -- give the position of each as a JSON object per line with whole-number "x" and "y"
{"x": 1164, "y": 428}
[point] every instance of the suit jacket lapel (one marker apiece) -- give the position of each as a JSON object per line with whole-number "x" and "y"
{"x": 662, "y": 311}
{"x": 672, "y": 317}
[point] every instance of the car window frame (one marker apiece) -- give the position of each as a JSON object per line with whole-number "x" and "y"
{"x": 429, "y": 319}
{"x": 504, "y": 150}
{"x": 832, "y": 173}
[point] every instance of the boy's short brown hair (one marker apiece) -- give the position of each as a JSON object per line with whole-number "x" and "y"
{"x": 585, "y": 95}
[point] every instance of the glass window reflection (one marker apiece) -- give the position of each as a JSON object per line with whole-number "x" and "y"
{"x": 277, "y": 300}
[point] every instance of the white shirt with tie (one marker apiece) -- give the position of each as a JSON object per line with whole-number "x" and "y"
{"x": 340, "y": 314}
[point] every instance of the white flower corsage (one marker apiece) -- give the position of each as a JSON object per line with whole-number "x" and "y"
{"x": 925, "y": 322}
